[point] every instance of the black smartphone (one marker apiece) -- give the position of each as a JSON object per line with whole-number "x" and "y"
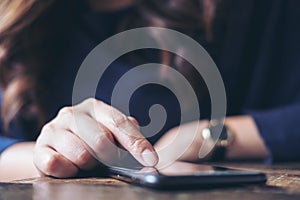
{"x": 182, "y": 175}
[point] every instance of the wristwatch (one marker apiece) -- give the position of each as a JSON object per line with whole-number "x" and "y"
{"x": 221, "y": 140}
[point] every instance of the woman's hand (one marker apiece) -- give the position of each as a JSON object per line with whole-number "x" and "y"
{"x": 181, "y": 143}
{"x": 81, "y": 136}
{"x": 184, "y": 144}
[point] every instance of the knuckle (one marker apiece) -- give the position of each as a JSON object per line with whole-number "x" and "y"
{"x": 91, "y": 104}
{"x": 134, "y": 120}
{"x": 99, "y": 104}
{"x": 65, "y": 117}
{"x": 119, "y": 119}
{"x": 66, "y": 111}
{"x": 48, "y": 128}
{"x": 137, "y": 144}
{"x": 90, "y": 101}
{"x": 84, "y": 158}
{"x": 51, "y": 164}
{"x": 45, "y": 134}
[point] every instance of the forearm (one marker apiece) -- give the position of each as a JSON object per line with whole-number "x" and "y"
{"x": 247, "y": 143}
{"x": 16, "y": 162}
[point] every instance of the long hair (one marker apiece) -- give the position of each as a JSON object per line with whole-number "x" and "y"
{"x": 31, "y": 31}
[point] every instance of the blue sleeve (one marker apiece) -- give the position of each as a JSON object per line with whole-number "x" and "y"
{"x": 6, "y": 142}
{"x": 280, "y": 131}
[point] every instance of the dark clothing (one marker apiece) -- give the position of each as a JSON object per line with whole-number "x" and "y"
{"x": 257, "y": 50}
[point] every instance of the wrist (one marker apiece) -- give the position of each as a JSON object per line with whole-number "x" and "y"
{"x": 220, "y": 136}
{"x": 248, "y": 143}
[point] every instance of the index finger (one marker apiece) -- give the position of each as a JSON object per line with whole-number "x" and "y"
{"x": 122, "y": 128}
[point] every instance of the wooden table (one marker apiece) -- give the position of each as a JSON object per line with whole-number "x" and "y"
{"x": 283, "y": 183}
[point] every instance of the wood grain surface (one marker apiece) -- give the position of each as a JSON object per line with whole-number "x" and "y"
{"x": 283, "y": 183}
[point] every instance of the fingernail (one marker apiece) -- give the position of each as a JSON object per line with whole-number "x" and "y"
{"x": 150, "y": 157}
